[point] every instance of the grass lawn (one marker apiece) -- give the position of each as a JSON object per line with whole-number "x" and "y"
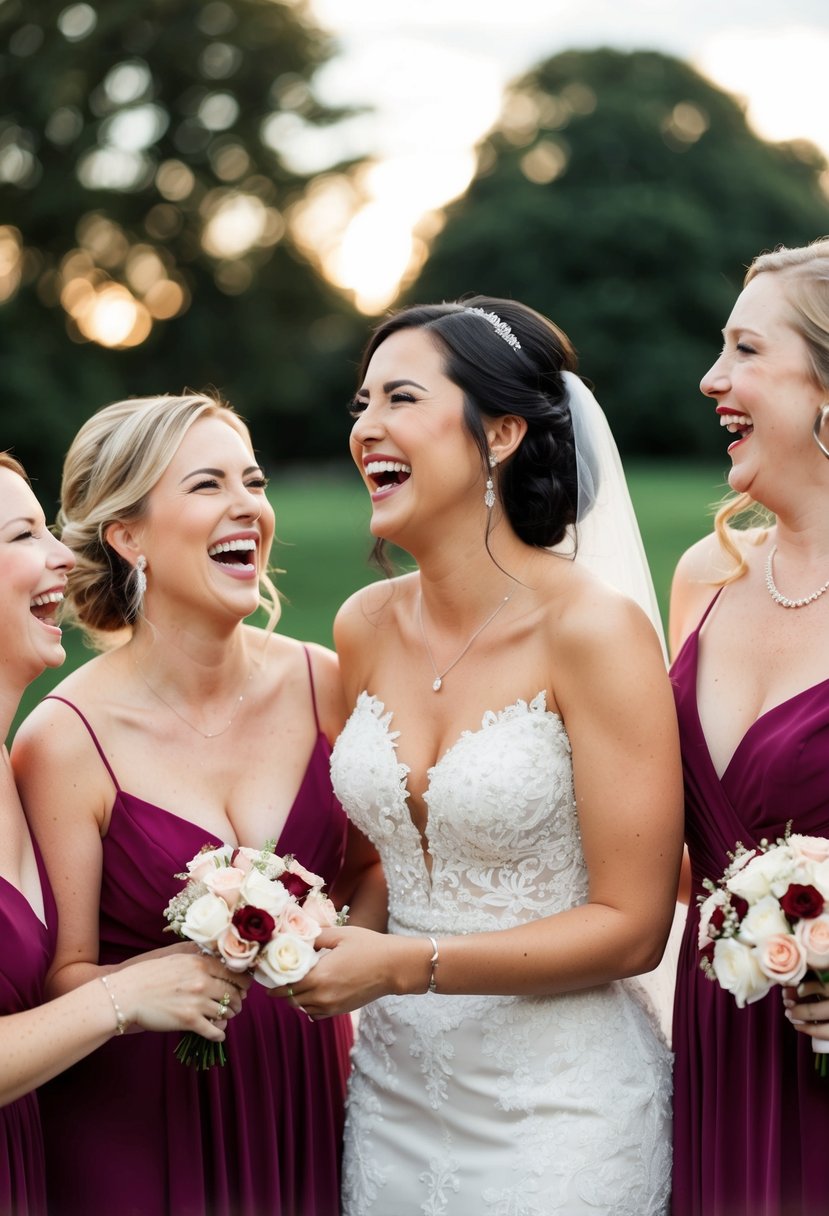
{"x": 323, "y": 543}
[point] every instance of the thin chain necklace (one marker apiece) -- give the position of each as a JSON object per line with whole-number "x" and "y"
{"x": 783, "y": 600}
{"x": 437, "y": 683}
{"x": 213, "y": 734}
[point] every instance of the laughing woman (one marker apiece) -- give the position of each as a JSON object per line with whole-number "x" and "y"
{"x": 191, "y": 728}
{"x": 512, "y": 751}
{"x": 750, "y": 622}
{"x": 180, "y": 992}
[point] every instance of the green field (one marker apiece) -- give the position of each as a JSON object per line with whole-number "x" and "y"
{"x": 323, "y": 542}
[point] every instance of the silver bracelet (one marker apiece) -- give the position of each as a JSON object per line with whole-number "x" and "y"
{"x": 434, "y": 960}
{"x": 120, "y": 1020}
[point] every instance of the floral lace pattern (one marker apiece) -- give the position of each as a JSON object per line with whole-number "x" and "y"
{"x": 494, "y": 1106}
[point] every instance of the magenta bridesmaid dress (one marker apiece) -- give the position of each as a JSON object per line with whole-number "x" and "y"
{"x": 130, "y": 1131}
{"x": 26, "y": 953}
{"x": 751, "y": 1116}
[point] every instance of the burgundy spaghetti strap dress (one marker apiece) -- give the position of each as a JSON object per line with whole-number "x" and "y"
{"x": 751, "y": 1116}
{"x": 133, "y": 1132}
{"x": 26, "y": 949}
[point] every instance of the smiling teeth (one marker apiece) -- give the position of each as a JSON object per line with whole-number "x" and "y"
{"x": 232, "y": 546}
{"x": 387, "y": 466}
{"x": 735, "y": 421}
{"x": 51, "y": 597}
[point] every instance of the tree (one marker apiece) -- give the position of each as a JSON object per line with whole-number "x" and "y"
{"x": 146, "y": 197}
{"x": 623, "y": 195}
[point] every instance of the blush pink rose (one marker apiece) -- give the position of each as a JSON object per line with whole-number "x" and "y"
{"x": 782, "y": 958}
{"x": 207, "y": 860}
{"x": 296, "y": 922}
{"x": 811, "y": 848}
{"x": 813, "y": 936}
{"x": 320, "y": 908}
{"x": 225, "y": 882}
{"x": 237, "y": 953}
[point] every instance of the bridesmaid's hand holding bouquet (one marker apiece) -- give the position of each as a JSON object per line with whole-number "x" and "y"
{"x": 258, "y": 913}
{"x": 766, "y": 922}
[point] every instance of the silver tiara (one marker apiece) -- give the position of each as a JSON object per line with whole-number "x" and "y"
{"x": 501, "y": 328}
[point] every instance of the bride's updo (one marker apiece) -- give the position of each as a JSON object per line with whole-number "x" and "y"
{"x": 515, "y": 369}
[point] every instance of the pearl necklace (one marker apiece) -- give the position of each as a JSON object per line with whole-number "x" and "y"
{"x": 783, "y": 600}
{"x": 437, "y": 683}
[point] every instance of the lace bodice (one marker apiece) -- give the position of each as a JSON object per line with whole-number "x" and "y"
{"x": 502, "y": 826}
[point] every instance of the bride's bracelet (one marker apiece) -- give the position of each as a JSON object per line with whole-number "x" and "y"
{"x": 433, "y": 961}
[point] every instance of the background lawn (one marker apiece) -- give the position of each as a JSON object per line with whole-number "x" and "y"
{"x": 323, "y": 543}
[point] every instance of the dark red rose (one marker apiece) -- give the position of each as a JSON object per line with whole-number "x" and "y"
{"x": 802, "y": 901}
{"x": 717, "y": 919}
{"x": 254, "y": 924}
{"x": 295, "y": 885}
{"x": 739, "y": 905}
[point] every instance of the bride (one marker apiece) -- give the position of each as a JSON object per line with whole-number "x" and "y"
{"x": 513, "y": 756}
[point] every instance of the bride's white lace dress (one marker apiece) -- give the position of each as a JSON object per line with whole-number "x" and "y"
{"x": 487, "y": 1105}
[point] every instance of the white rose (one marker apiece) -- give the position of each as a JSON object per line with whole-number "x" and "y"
{"x": 263, "y": 893}
{"x": 820, "y": 878}
{"x": 738, "y": 971}
{"x": 206, "y": 918}
{"x": 766, "y": 874}
{"x": 762, "y": 920}
{"x": 284, "y": 960}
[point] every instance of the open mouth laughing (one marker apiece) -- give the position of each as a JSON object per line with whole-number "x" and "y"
{"x": 45, "y": 607}
{"x": 386, "y": 474}
{"x": 237, "y": 554}
{"x": 736, "y": 424}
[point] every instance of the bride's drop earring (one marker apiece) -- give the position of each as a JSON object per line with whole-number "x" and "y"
{"x": 489, "y": 492}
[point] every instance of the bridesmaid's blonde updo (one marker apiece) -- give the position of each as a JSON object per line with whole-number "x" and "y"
{"x": 115, "y": 460}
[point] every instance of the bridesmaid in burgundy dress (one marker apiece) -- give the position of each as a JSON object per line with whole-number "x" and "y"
{"x": 190, "y": 728}
{"x": 36, "y": 1043}
{"x": 750, "y": 623}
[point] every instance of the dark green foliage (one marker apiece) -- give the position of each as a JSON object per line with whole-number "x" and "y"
{"x": 263, "y": 328}
{"x": 638, "y": 246}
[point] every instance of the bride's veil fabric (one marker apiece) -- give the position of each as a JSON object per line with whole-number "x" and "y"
{"x": 607, "y": 541}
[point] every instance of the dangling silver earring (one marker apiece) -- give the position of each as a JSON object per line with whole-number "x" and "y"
{"x": 818, "y": 427}
{"x": 140, "y": 577}
{"x": 489, "y": 491}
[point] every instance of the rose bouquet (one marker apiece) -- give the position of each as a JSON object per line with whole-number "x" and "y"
{"x": 766, "y": 921}
{"x": 256, "y": 912}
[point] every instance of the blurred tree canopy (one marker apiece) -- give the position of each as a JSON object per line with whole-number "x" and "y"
{"x": 146, "y": 219}
{"x": 623, "y": 195}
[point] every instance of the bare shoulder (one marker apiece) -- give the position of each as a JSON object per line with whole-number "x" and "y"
{"x": 699, "y": 572}
{"x": 53, "y": 732}
{"x": 288, "y": 662}
{"x": 372, "y": 608}
{"x": 595, "y": 620}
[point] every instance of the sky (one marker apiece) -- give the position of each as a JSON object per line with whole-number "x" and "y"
{"x": 433, "y": 73}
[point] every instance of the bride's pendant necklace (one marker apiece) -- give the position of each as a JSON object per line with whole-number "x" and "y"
{"x": 213, "y": 734}
{"x": 783, "y": 600}
{"x": 437, "y": 683}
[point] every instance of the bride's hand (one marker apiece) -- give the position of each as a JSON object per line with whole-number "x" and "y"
{"x": 807, "y": 1008}
{"x": 358, "y": 966}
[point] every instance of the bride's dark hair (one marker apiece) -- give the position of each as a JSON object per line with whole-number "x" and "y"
{"x": 538, "y": 484}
